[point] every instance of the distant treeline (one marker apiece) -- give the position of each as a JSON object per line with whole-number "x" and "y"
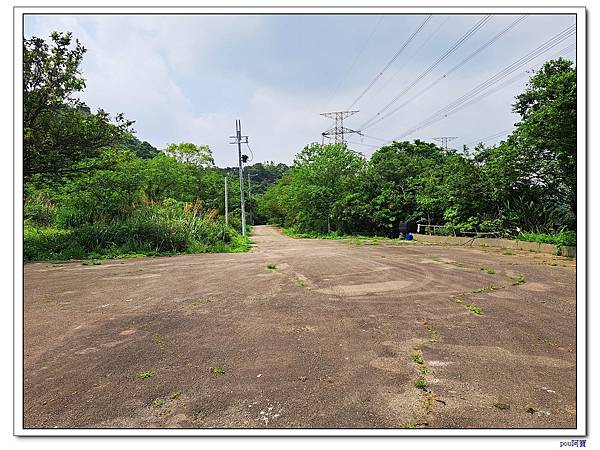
{"x": 527, "y": 183}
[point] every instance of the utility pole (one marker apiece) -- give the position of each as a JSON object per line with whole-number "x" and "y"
{"x": 226, "y": 205}
{"x": 338, "y": 131}
{"x": 239, "y": 140}
{"x": 444, "y": 140}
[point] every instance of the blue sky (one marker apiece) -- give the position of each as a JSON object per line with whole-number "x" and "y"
{"x": 188, "y": 78}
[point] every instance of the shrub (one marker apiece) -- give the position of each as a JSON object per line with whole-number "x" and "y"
{"x": 168, "y": 228}
{"x": 562, "y": 238}
{"x": 38, "y": 209}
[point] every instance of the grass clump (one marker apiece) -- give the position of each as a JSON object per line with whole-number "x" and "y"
{"x": 146, "y": 374}
{"x": 417, "y": 357}
{"x": 158, "y": 402}
{"x": 434, "y": 335}
{"x": 517, "y": 280}
{"x": 474, "y": 309}
{"x": 420, "y": 383}
{"x": 271, "y": 266}
{"x": 492, "y": 287}
{"x": 488, "y": 270}
{"x": 217, "y": 370}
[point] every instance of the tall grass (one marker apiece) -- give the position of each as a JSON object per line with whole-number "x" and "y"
{"x": 559, "y": 239}
{"x": 164, "y": 229}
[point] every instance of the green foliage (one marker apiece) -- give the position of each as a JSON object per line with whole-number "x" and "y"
{"x": 417, "y": 357}
{"x": 60, "y": 132}
{"x": 559, "y": 239}
{"x": 142, "y": 149}
{"x": 420, "y": 383}
{"x": 525, "y": 183}
{"x": 188, "y": 153}
{"x": 518, "y": 280}
{"x": 146, "y": 374}
{"x": 474, "y": 309}
{"x": 167, "y": 228}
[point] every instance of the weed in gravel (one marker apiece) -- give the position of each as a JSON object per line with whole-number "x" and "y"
{"x": 473, "y": 308}
{"x": 174, "y": 395}
{"x": 434, "y": 335}
{"x": 492, "y": 287}
{"x": 420, "y": 383}
{"x": 428, "y": 400}
{"x": 411, "y": 425}
{"x": 217, "y": 370}
{"x": 417, "y": 357}
{"x": 146, "y": 374}
{"x": 501, "y": 405}
{"x": 158, "y": 402}
{"x": 530, "y": 408}
{"x": 424, "y": 369}
{"x": 159, "y": 340}
{"x": 519, "y": 279}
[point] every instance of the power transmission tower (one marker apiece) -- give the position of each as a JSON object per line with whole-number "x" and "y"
{"x": 338, "y": 131}
{"x": 444, "y": 140}
{"x": 239, "y": 140}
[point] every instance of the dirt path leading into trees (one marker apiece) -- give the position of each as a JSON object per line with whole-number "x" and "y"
{"x": 335, "y": 334}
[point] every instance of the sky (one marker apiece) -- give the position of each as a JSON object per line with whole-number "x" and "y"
{"x": 187, "y": 78}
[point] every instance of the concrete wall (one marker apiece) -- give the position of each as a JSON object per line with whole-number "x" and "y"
{"x": 492, "y": 242}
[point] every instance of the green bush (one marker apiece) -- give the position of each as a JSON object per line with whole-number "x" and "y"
{"x": 39, "y": 209}
{"x": 560, "y": 239}
{"x": 169, "y": 228}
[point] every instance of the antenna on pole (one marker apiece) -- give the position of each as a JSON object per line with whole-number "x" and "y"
{"x": 338, "y": 131}
{"x": 444, "y": 140}
{"x": 239, "y": 140}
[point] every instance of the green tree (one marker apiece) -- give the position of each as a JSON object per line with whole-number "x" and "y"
{"x": 59, "y": 132}
{"x": 188, "y": 153}
{"x": 546, "y": 136}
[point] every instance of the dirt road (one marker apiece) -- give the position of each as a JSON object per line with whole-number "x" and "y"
{"x": 334, "y": 334}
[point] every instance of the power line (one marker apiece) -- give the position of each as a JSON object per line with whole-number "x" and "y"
{"x": 391, "y": 61}
{"x": 416, "y": 51}
{"x": 363, "y": 144}
{"x": 490, "y": 137}
{"x": 357, "y": 57}
{"x": 427, "y": 71}
{"x": 453, "y": 69}
{"x": 467, "y": 98}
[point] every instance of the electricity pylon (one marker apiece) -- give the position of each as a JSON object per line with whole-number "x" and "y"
{"x": 444, "y": 140}
{"x": 338, "y": 131}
